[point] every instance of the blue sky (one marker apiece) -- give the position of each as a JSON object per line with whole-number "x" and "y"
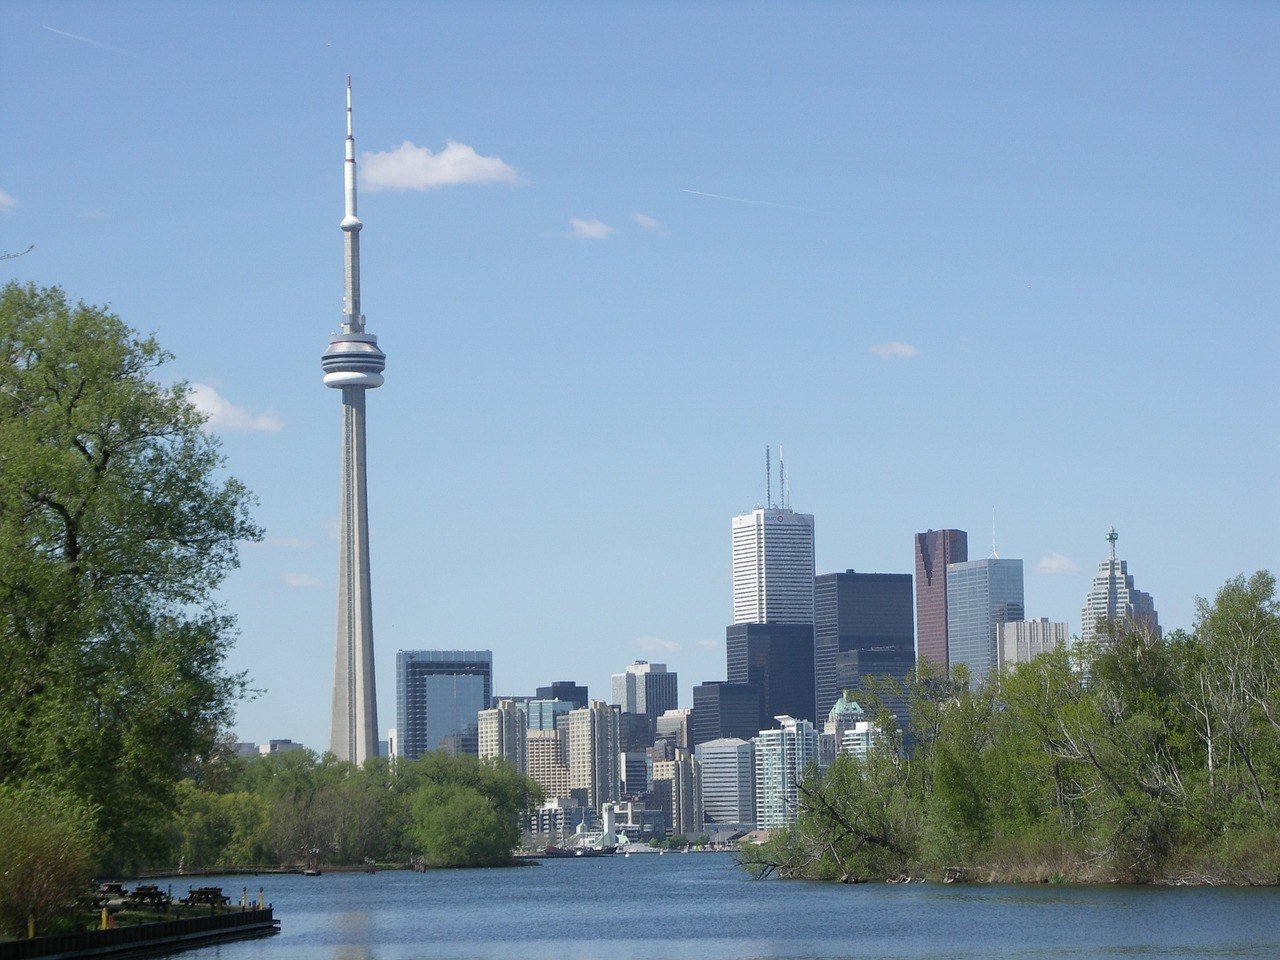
{"x": 1068, "y": 214}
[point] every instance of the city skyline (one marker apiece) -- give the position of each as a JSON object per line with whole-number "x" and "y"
{"x": 1051, "y": 206}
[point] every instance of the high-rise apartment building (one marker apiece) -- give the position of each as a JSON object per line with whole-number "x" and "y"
{"x": 728, "y": 781}
{"x": 439, "y": 696}
{"x": 773, "y": 567}
{"x": 1113, "y": 599}
{"x": 565, "y": 690}
{"x": 934, "y": 550}
{"x": 776, "y": 659}
{"x": 677, "y": 789}
{"x": 862, "y": 628}
{"x": 1021, "y": 641}
{"x": 981, "y": 595}
{"x": 645, "y": 688}
{"x": 544, "y": 762}
{"x": 503, "y": 734}
{"x": 593, "y": 753}
{"x": 782, "y": 757}
{"x": 724, "y": 710}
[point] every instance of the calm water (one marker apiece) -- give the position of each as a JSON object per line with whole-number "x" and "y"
{"x": 701, "y": 907}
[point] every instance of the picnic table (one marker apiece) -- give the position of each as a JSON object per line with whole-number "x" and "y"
{"x": 212, "y": 896}
{"x": 148, "y": 894}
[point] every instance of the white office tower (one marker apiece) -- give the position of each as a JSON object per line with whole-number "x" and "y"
{"x": 728, "y": 782}
{"x": 1112, "y": 597}
{"x": 782, "y": 756}
{"x": 503, "y": 734}
{"x": 677, "y": 784}
{"x": 674, "y": 725}
{"x": 773, "y": 566}
{"x": 593, "y": 753}
{"x": 353, "y": 364}
{"x": 645, "y": 688}
{"x": 1021, "y": 641}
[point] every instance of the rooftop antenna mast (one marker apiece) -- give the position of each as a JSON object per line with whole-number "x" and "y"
{"x": 768, "y": 479}
{"x": 782, "y": 480}
{"x": 1112, "y": 537}
{"x": 994, "y": 552}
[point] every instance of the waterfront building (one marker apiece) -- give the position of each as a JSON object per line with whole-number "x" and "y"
{"x": 542, "y": 714}
{"x": 776, "y": 659}
{"x": 557, "y": 820}
{"x": 593, "y": 753}
{"x": 353, "y": 363}
{"x": 934, "y": 551}
{"x": 862, "y": 628}
{"x": 722, "y": 709}
{"x": 645, "y": 688}
{"x": 439, "y": 696}
{"x": 981, "y": 595}
{"x": 1113, "y": 599}
{"x": 272, "y": 747}
{"x": 1021, "y": 641}
{"x": 782, "y": 757}
{"x": 677, "y": 790}
{"x": 773, "y": 566}
{"x": 673, "y": 725}
{"x": 503, "y": 734}
{"x": 637, "y": 821}
{"x": 545, "y": 762}
{"x": 728, "y": 782}
{"x": 565, "y": 690}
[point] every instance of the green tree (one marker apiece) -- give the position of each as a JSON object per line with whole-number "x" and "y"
{"x": 117, "y": 524}
{"x": 47, "y": 844}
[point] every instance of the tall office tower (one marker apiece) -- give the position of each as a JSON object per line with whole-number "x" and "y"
{"x": 782, "y": 756}
{"x": 542, "y": 713}
{"x": 935, "y": 549}
{"x": 353, "y": 364}
{"x": 635, "y": 731}
{"x": 503, "y": 734}
{"x": 776, "y": 659}
{"x": 981, "y": 595}
{"x": 593, "y": 753}
{"x": 724, "y": 710}
{"x": 773, "y": 566}
{"x": 645, "y": 688}
{"x": 677, "y": 789}
{"x": 565, "y": 690}
{"x": 633, "y": 767}
{"x": 544, "y": 762}
{"x": 862, "y": 628}
{"x": 728, "y": 781}
{"x": 1021, "y": 641}
{"x": 674, "y": 725}
{"x": 439, "y": 696}
{"x": 1113, "y": 599}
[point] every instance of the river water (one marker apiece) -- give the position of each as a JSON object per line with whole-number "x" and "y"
{"x": 702, "y": 907}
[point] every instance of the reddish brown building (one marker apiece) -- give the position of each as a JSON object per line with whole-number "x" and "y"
{"x": 934, "y": 550}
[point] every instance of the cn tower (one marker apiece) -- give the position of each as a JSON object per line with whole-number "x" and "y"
{"x": 353, "y": 364}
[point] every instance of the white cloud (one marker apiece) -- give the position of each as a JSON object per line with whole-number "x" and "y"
{"x": 656, "y": 645}
{"x": 893, "y": 350}
{"x": 222, "y": 414}
{"x": 651, "y": 224}
{"x": 590, "y": 229}
{"x": 410, "y": 167}
{"x": 300, "y": 581}
{"x": 1054, "y": 563}
{"x": 709, "y": 644}
{"x": 6, "y": 201}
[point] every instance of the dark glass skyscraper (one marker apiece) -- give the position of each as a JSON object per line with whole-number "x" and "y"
{"x": 862, "y": 627}
{"x": 439, "y": 695}
{"x": 565, "y": 690}
{"x": 777, "y": 659}
{"x": 722, "y": 709}
{"x": 935, "y": 549}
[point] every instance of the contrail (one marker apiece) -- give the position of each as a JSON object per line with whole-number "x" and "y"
{"x": 757, "y": 203}
{"x": 76, "y": 36}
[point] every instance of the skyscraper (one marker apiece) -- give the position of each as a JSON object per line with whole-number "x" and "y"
{"x": 981, "y": 595}
{"x": 542, "y": 713}
{"x": 725, "y": 710}
{"x": 1021, "y": 641}
{"x": 773, "y": 566}
{"x": 439, "y": 696}
{"x": 593, "y": 753}
{"x": 934, "y": 550}
{"x": 544, "y": 761}
{"x": 503, "y": 734}
{"x": 353, "y": 364}
{"x": 677, "y": 789}
{"x": 565, "y": 690}
{"x": 782, "y": 756}
{"x": 776, "y": 659}
{"x": 645, "y": 688}
{"x": 1113, "y": 598}
{"x": 728, "y": 781}
{"x": 862, "y": 628}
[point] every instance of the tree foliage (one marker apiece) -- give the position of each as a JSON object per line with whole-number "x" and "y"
{"x": 46, "y": 855}
{"x": 1138, "y": 759}
{"x": 116, "y": 526}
